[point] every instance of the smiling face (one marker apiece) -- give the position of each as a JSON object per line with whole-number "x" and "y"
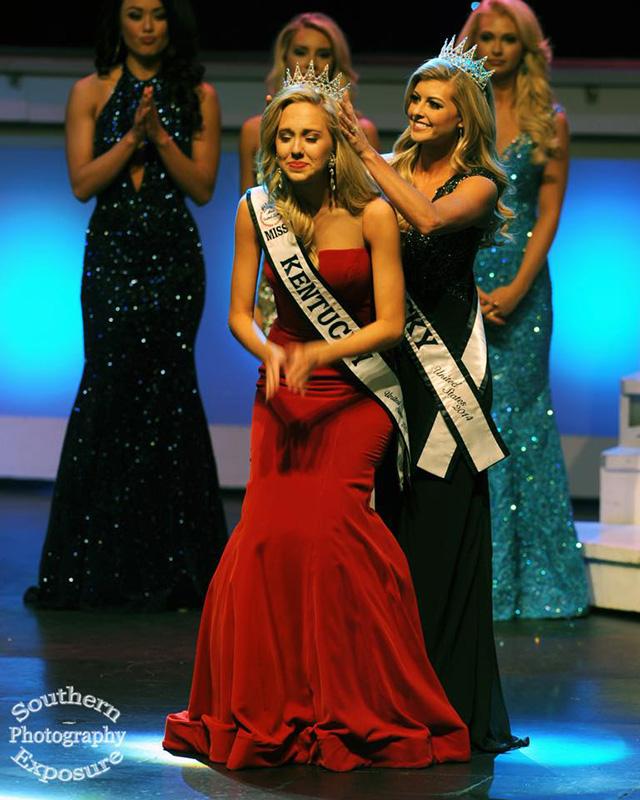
{"x": 498, "y": 39}
{"x": 309, "y": 44}
{"x": 433, "y": 115}
{"x": 303, "y": 142}
{"x": 144, "y": 27}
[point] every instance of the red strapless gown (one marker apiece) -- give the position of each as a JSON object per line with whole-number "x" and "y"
{"x": 310, "y": 647}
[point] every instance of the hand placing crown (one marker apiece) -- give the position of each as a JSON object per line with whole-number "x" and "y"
{"x": 474, "y": 67}
{"x": 321, "y": 83}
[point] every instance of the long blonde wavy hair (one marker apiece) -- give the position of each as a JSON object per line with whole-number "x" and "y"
{"x": 476, "y": 147}
{"x": 354, "y": 187}
{"x": 323, "y": 24}
{"x": 534, "y": 101}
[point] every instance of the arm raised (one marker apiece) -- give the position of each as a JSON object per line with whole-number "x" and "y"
{"x": 470, "y": 204}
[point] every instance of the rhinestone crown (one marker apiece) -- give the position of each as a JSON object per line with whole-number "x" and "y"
{"x": 474, "y": 67}
{"x": 321, "y": 83}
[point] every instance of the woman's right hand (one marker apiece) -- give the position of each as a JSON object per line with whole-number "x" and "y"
{"x": 274, "y": 362}
{"x": 489, "y": 308}
{"x": 139, "y": 128}
{"x": 350, "y": 126}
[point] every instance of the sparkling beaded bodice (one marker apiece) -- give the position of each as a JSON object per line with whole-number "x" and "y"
{"x": 441, "y": 264}
{"x": 116, "y": 119}
{"x": 498, "y": 265}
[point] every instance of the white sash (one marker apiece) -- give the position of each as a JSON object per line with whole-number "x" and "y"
{"x": 460, "y": 420}
{"x": 315, "y": 299}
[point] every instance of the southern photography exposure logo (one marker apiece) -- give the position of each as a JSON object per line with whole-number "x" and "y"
{"x": 71, "y": 734}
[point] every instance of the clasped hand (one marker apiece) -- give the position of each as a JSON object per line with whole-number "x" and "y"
{"x": 297, "y": 361}
{"x": 146, "y": 123}
{"x": 498, "y": 304}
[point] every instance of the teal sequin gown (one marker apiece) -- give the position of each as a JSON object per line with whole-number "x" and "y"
{"x": 538, "y": 569}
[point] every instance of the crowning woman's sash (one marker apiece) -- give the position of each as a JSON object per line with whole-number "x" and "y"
{"x": 317, "y": 302}
{"x": 458, "y": 385}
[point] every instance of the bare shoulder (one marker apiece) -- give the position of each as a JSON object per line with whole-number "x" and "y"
{"x": 90, "y": 93}
{"x": 562, "y": 125}
{"x": 207, "y": 93}
{"x": 378, "y": 216}
{"x": 243, "y": 215}
{"x": 89, "y": 88}
{"x": 251, "y": 126}
{"x": 479, "y": 186}
{"x": 93, "y": 91}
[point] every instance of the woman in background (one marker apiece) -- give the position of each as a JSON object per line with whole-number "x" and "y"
{"x": 136, "y": 520}
{"x": 538, "y": 569}
{"x": 308, "y": 37}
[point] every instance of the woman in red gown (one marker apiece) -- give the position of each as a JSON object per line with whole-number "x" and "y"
{"x": 310, "y": 648}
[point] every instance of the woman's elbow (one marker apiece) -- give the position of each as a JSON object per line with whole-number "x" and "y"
{"x": 202, "y": 197}
{"x": 81, "y": 192}
{"x": 395, "y": 332}
{"x": 427, "y": 225}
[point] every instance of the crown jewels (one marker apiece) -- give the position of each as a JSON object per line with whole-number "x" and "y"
{"x": 321, "y": 82}
{"x": 474, "y": 67}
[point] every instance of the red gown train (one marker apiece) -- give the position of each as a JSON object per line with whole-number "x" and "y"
{"x": 310, "y": 647}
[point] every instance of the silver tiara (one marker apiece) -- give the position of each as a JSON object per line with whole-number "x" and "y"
{"x": 321, "y": 82}
{"x": 474, "y": 67}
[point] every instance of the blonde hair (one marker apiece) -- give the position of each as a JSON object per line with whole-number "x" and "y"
{"x": 354, "y": 187}
{"x": 476, "y": 146}
{"x": 534, "y": 101}
{"x": 323, "y": 24}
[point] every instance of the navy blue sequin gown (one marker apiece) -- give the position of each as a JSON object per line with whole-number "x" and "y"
{"x": 538, "y": 568}
{"x": 136, "y": 520}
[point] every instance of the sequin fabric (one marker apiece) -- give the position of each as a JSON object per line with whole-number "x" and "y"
{"x": 136, "y": 520}
{"x": 437, "y": 267}
{"x": 537, "y": 562}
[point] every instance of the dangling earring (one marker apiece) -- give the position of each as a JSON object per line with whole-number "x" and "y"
{"x": 460, "y": 132}
{"x": 280, "y": 179}
{"x": 332, "y": 174}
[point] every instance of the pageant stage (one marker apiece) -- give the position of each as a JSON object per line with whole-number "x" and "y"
{"x": 572, "y": 686}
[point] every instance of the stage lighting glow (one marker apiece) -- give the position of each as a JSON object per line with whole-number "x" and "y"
{"x": 561, "y": 745}
{"x": 594, "y": 271}
{"x": 143, "y": 748}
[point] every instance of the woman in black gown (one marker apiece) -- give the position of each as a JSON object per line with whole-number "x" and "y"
{"x": 136, "y": 520}
{"x": 445, "y": 182}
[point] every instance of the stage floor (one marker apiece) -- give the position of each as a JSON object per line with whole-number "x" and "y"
{"x": 572, "y": 686}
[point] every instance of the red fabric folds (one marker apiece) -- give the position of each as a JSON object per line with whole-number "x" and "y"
{"x": 310, "y": 648}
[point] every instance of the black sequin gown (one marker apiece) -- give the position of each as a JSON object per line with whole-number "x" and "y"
{"x": 136, "y": 520}
{"x": 444, "y": 525}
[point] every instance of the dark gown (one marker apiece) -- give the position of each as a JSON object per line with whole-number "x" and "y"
{"x": 136, "y": 520}
{"x": 444, "y": 525}
{"x": 310, "y": 649}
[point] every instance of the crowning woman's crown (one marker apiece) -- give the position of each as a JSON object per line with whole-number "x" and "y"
{"x": 321, "y": 82}
{"x": 474, "y": 67}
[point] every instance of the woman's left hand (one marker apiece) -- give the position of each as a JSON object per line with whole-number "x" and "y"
{"x": 350, "y": 126}
{"x": 301, "y": 361}
{"x": 155, "y": 130}
{"x": 504, "y": 301}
